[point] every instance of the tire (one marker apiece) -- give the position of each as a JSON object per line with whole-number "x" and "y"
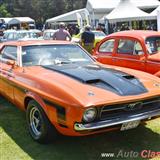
{"x": 40, "y": 128}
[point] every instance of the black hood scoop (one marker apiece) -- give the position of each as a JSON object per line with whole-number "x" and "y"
{"x": 109, "y": 79}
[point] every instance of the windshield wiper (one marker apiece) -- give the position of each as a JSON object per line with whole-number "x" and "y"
{"x": 57, "y": 61}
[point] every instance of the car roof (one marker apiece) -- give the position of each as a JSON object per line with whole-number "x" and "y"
{"x": 50, "y": 30}
{"x": 135, "y": 33}
{"x": 97, "y": 31}
{"x": 36, "y": 42}
{"x": 34, "y": 30}
{"x": 17, "y": 31}
{"x": 9, "y": 31}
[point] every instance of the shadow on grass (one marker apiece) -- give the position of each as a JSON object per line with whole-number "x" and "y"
{"x": 13, "y": 123}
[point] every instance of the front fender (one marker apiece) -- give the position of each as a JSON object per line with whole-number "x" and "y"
{"x": 37, "y": 98}
{"x": 49, "y": 110}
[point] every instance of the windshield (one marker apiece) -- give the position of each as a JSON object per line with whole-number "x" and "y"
{"x": 27, "y": 35}
{"x": 153, "y": 44}
{"x": 54, "y": 55}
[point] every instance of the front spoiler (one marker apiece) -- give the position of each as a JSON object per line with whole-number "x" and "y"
{"x": 116, "y": 121}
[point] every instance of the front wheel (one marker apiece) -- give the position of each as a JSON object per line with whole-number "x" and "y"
{"x": 40, "y": 128}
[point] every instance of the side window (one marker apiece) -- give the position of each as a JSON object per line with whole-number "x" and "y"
{"x": 126, "y": 46}
{"x": 9, "y": 52}
{"x": 130, "y": 47}
{"x": 5, "y": 35}
{"x": 46, "y": 35}
{"x": 10, "y": 36}
{"x": 107, "y": 46}
{"x": 138, "y": 50}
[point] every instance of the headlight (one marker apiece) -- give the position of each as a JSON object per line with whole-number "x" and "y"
{"x": 89, "y": 114}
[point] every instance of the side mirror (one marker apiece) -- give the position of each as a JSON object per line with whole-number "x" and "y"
{"x": 11, "y": 63}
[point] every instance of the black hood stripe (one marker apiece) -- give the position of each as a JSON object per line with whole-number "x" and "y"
{"x": 106, "y": 78}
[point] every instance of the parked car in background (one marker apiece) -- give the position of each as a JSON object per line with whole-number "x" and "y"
{"x": 138, "y": 50}
{"x": 14, "y": 35}
{"x": 48, "y": 34}
{"x": 64, "y": 90}
{"x": 37, "y": 32}
{"x": 99, "y": 35}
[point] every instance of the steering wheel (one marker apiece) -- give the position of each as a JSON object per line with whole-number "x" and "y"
{"x": 45, "y": 61}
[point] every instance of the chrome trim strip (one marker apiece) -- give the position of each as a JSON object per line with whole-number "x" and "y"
{"x": 151, "y": 101}
{"x": 116, "y": 121}
{"x": 104, "y": 56}
{"x": 128, "y": 59}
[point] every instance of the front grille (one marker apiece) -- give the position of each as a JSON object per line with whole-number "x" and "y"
{"x": 125, "y": 109}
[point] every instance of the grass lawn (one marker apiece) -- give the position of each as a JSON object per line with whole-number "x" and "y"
{"x": 16, "y": 143}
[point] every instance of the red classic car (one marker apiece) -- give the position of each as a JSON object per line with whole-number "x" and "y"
{"x": 138, "y": 50}
{"x": 63, "y": 89}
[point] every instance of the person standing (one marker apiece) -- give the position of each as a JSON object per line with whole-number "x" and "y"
{"x": 61, "y": 33}
{"x": 87, "y": 39}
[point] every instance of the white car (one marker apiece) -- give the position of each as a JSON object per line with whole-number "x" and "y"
{"x": 48, "y": 34}
{"x": 14, "y": 35}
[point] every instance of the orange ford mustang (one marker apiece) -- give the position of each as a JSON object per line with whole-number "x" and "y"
{"x": 64, "y": 90}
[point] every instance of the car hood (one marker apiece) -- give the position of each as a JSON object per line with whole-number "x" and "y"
{"x": 108, "y": 79}
{"x": 90, "y": 84}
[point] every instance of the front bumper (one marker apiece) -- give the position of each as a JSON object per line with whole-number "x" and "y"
{"x": 116, "y": 121}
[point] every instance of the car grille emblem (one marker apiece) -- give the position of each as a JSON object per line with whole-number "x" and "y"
{"x": 134, "y": 106}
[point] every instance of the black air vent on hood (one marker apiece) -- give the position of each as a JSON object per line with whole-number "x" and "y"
{"x": 92, "y": 81}
{"x": 129, "y": 77}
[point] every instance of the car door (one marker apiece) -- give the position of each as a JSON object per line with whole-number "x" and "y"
{"x": 105, "y": 51}
{"x": 153, "y": 54}
{"x": 6, "y": 71}
{"x": 129, "y": 53}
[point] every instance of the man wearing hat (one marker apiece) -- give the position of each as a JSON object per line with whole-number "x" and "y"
{"x": 87, "y": 39}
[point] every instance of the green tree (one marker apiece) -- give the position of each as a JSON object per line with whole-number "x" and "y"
{"x": 40, "y": 10}
{"x": 3, "y": 11}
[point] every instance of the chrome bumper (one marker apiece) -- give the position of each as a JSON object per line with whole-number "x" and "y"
{"x": 116, "y": 121}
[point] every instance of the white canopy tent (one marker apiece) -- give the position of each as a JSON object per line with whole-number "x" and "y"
{"x": 98, "y": 9}
{"x": 19, "y": 20}
{"x": 127, "y": 11}
{"x": 111, "y": 4}
{"x": 154, "y": 13}
{"x": 5, "y": 20}
{"x": 70, "y": 16}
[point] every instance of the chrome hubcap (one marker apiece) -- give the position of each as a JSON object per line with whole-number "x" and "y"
{"x": 35, "y": 121}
